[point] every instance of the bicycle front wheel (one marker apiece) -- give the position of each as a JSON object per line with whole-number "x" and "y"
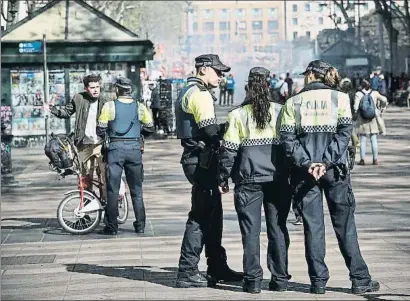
{"x": 73, "y": 220}
{"x": 122, "y": 209}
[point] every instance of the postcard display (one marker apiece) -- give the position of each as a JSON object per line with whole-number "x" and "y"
{"x": 27, "y": 96}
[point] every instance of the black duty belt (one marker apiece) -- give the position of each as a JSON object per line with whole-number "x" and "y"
{"x": 124, "y": 139}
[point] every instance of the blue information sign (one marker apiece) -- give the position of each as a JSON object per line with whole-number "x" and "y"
{"x": 31, "y": 47}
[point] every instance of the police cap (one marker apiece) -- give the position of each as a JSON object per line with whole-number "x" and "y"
{"x": 124, "y": 83}
{"x": 318, "y": 67}
{"x": 258, "y": 71}
{"x": 211, "y": 60}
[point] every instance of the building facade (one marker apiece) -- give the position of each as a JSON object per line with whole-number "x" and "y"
{"x": 239, "y": 26}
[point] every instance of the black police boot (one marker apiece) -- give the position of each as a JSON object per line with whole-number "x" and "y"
{"x": 218, "y": 269}
{"x": 108, "y": 231}
{"x": 187, "y": 281}
{"x": 318, "y": 288}
{"x": 222, "y": 272}
{"x": 277, "y": 288}
{"x": 373, "y": 286}
{"x": 139, "y": 227}
{"x": 252, "y": 287}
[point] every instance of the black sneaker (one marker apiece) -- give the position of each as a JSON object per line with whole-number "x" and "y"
{"x": 187, "y": 281}
{"x": 253, "y": 287}
{"x": 317, "y": 289}
{"x": 373, "y": 286}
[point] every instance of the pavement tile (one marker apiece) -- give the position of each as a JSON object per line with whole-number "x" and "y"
{"x": 131, "y": 266}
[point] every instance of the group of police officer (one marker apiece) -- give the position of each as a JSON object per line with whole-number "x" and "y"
{"x": 272, "y": 153}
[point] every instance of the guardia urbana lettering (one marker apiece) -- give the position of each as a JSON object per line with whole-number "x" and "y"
{"x": 316, "y": 105}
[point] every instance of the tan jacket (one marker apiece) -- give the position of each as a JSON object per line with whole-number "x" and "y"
{"x": 376, "y": 125}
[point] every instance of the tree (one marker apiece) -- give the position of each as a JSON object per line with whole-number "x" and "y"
{"x": 161, "y": 20}
{"x": 344, "y": 6}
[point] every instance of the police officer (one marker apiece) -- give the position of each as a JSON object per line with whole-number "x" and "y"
{"x": 252, "y": 154}
{"x": 123, "y": 120}
{"x": 197, "y": 127}
{"x": 315, "y": 130}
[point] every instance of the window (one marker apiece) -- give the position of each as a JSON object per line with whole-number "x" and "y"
{"x": 320, "y": 6}
{"x": 295, "y": 35}
{"x": 257, "y": 25}
{"x": 295, "y": 21}
{"x": 240, "y": 12}
{"x": 273, "y": 37}
{"x": 307, "y": 7}
{"x": 194, "y": 15}
{"x": 268, "y": 49}
{"x": 224, "y": 13}
{"x": 294, "y": 7}
{"x": 208, "y": 13}
{"x": 208, "y": 26}
{"x": 273, "y": 13}
{"x": 242, "y": 25}
{"x": 308, "y": 34}
{"x": 258, "y": 48}
{"x": 224, "y": 26}
{"x": 256, "y": 37}
{"x": 225, "y": 37}
{"x": 273, "y": 25}
{"x": 195, "y": 26}
{"x": 366, "y": 6}
{"x": 256, "y": 12}
{"x": 242, "y": 37}
{"x": 320, "y": 20}
{"x": 208, "y": 38}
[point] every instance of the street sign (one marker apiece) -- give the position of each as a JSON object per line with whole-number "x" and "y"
{"x": 31, "y": 47}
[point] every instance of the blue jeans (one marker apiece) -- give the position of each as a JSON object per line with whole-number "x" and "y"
{"x": 375, "y": 148}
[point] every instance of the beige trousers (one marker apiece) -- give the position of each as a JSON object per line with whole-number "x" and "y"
{"x": 84, "y": 154}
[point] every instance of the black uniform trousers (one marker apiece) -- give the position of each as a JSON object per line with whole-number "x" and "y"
{"x": 276, "y": 200}
{"x": 124, "y": 155}
{"x": 205, "y": 221}
{"x": 341, "y": 204}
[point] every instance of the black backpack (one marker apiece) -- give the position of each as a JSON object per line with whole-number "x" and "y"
{"x": 367, "y": 108}
{"x": 276, "y": 96}
{"x": 58, "y": 152}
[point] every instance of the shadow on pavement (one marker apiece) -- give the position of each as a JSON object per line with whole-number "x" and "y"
{"x": 166, "y": 276}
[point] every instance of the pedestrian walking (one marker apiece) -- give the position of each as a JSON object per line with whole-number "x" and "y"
{"x": 369, "y": 126}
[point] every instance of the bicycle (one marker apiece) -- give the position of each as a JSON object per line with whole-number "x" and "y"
{"x": 86, "y": 212}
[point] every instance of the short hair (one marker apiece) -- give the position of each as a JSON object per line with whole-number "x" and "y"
{"x": 91, "y": 78}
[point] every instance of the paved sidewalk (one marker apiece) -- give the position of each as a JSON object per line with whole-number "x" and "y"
{"x": 40, "y": 261}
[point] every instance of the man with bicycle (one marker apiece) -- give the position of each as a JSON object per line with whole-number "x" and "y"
{"x": 123, "y": 120}
{"x": 87, "y": 107}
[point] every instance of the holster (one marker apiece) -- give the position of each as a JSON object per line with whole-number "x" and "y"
{"x": 104, "y": 149}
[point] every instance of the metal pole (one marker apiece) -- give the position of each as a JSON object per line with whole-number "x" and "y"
{"x": 46, "y": 89}
{"x": 391, "y": 38}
